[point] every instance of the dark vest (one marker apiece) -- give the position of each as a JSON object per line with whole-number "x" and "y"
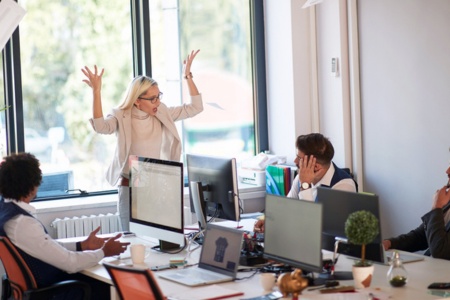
{"x": 44, "y": 273}
{"x": 340, "y": 174}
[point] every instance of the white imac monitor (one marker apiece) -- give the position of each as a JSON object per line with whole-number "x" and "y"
{"x": 156, "y": 200}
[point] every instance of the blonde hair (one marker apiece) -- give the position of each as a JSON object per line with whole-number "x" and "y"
{"x": 138, "y": 86}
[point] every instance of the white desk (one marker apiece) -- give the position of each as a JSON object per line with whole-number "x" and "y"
{"x": 251, "y": 287}
{"x": 420, "y": 274}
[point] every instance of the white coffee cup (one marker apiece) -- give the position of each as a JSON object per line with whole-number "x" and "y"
{"x": 138, "y": 253}
{"x": 267, "y": 281}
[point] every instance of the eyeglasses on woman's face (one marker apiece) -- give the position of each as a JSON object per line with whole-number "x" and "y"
{"x": 153, "y": 99}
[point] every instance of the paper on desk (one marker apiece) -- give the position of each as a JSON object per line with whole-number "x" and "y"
{"x": 261, "y": 161}
{"x": 10, "y": 16}
{"x": 358, "y": 295}
{"x": 209, "y": 292}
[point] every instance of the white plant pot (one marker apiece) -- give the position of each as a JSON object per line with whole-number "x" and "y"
{"x": 362, "y": 276}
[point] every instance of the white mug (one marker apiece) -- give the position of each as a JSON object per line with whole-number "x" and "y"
{"x": 267, "y": 281}
{"x": 138, "y": 253}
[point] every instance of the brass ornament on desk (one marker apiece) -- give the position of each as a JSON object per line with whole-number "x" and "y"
{"x": 292, "y": 283}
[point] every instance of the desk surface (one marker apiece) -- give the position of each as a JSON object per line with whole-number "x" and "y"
{"x": 420, "y": 275}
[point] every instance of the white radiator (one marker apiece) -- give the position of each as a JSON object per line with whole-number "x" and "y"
{"x": 82, "y": 226}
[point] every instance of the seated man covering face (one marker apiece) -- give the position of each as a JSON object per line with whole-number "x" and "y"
{"x": 315, "y": 168}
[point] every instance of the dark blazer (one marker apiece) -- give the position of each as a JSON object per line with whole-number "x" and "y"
{"x": 432, "y": 235}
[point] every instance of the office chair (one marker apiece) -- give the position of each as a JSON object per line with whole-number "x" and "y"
{"x": 134, "y": 283}
{"x": 19, "y": 283}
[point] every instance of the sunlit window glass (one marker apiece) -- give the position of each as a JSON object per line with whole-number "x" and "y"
{"x": 57, "y": 39}
{"x": 222, "y": 70}
{"x": 2, "y": 115}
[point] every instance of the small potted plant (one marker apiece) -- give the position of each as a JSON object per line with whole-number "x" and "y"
{"x": 361, "y": 229}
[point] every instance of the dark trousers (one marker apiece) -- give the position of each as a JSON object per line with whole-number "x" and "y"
{"x": 99, "y": 289}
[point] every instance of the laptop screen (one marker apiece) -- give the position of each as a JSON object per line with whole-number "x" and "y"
{"x": 221, "y": 249}
{"x": 337, "y": 206}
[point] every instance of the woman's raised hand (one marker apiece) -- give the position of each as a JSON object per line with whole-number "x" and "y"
{"x": 188, "y": 62}
{"x": 94, "y": 79}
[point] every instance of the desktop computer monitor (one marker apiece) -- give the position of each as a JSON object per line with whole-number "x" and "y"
{"x": 292, "y": 232}
{"x": 337, "y": 206}
{"x": 213, "y": 188}
{"x": 156, "y": 200}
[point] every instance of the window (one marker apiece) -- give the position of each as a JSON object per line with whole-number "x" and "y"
{"x": 222, "y": 70}
{"x": 2, "y": 116}
{"x": 57, "y": 39}
{"x": 152, "y": 37}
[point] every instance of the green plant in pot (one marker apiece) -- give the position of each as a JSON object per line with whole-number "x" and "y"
{"x": 361, "y": 228}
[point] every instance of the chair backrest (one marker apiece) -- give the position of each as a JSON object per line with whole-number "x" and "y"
{"x": 134, "y": 283}
{"x": 19, "y": 275}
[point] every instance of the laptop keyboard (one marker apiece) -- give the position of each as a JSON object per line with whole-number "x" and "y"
{"x": 202, "y": 275}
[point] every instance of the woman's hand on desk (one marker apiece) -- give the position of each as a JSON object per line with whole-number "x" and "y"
{"x": 113, "y": 246}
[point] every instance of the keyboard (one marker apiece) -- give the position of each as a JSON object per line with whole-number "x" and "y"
{"x": 204, "y": 274}
{"x": 257, "y": 236}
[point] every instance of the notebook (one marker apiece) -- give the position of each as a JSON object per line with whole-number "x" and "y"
{"x": 219, "y": 259}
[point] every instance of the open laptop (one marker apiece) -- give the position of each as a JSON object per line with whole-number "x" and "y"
{"x": 405, "y": 257}
{"x": 377, "y": 254}
{"x": 219, "y": 259}
{"x": 337, "y": 206}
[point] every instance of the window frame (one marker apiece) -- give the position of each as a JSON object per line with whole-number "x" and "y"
{"x": 142, "y": 64}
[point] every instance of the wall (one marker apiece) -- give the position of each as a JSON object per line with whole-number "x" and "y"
{"x": 404, "y": 73}
{"x": 288, "y": 74}
{"x": 48, "y": 211}
{"x": 333, "y": 91}
{"x": 251, "y": 196}
{"x": 295, "y": 103}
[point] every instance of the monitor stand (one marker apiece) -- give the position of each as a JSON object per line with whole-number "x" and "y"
{"x": 330, "y": 274}
{"x": 340, "y": 275}
{"x": 166, "y": 246}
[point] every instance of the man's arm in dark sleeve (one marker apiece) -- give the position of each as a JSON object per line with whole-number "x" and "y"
{"x": 437, "y": 236}
{"x": 413, "y": 241}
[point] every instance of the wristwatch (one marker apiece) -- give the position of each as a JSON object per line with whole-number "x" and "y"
{"x": 306, "y": 185}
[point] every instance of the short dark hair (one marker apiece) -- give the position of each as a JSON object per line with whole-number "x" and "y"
{"x": 19, "y": 175}
{"x": 316, "y": 144}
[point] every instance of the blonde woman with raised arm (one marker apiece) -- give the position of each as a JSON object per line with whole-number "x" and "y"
{"x": 143, "y": 124}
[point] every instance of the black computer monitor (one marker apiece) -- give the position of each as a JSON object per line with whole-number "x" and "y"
{"x": 293, "y": 232}
{"x": 213, "y": 187}
{"x": 337, "y": 206}
{"x": 156, "y": 200}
